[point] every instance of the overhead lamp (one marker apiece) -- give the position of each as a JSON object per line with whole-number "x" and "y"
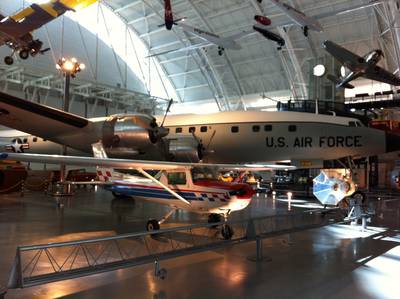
{"x": 319, "y": 70}
{"x": 70, "y": 66}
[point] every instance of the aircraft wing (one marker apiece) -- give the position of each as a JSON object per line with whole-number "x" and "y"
{"x": 37, "y": 15}
{"x": 130, "y": 164}
{"x": 379, "y": 74}
{"x": 45, "y": 122}
{"x": 343, "y": 55}
{"x": 187, "y": 48}
{"x": 286, "y": 22}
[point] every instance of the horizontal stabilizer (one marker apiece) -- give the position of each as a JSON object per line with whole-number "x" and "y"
{"x": 339, "y": 83}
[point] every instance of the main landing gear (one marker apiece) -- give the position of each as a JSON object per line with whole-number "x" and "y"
{"x": 154, "y": 224}
{"x": 221, "y": 51}
{"x": 226, "y": 230}
{"x": 305, "y": 31}
{"x": 8, "y": 60}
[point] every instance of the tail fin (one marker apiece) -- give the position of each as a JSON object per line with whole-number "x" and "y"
{"x": 339, "y": 83}
{"x": 104, "y": 174}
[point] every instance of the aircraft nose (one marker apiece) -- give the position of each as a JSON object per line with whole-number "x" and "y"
{"x": 392, "y": 142}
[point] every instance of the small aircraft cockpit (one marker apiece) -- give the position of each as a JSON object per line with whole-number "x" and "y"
{"x": 203, "y": 173}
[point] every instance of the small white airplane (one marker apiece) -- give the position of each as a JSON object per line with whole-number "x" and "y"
{"x": 299, "y": 18}
{"x": 365, "y": 66}
{"x": 209, "y": 39}
{"x": 184, "y": 186}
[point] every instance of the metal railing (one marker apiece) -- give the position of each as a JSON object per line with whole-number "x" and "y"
{"x": 40, "y": 264}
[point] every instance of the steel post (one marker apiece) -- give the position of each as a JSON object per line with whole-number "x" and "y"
{"x": 259, "y": 249}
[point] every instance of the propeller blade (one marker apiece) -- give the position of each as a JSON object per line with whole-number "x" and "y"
{"x": 166, "y": 111}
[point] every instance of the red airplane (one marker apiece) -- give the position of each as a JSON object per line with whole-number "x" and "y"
{"x": 169, "y": 19}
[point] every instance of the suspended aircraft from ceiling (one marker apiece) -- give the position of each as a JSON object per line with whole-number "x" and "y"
{"x": 365, "y": 66}
{"x": 16, "y": 31}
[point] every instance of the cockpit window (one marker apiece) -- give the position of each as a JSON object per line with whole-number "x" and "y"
{"x": 352, "y": 124}
{"x": 176, "y": 178}
{"x": 203, "y": 173}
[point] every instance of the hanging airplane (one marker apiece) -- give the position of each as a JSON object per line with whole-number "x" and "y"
{"x": 209, "y": 39}
{"x": 365, "y": 66}
{"x": 261, "y": 27}
{"x": 16, "y": 31}
{"x": 168, "y": 16}
{"x": 298, "y": 17}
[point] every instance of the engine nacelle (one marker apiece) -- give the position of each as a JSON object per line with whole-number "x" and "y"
{"x": 185, "y": 149}
{"x": 135, "y": 132}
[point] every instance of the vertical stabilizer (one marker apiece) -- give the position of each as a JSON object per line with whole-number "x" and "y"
{"x": 104, "y": 174}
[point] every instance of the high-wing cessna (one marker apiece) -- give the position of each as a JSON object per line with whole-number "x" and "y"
{"x": 299, "y": 17}
{"x": 209, "y": 39}
{"x": 359, "y": 66}
{"x": 16, "y": 30}
{"x": 177, "y": 185}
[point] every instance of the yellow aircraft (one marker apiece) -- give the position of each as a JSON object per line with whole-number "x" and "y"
{"x": 16, "y": 30}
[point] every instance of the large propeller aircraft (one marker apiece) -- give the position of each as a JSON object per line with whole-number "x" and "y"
{"x": 16, "y": 31}
{"x": 365, "y": 66}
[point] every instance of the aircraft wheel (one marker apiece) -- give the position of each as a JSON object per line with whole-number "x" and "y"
{"x": 24, "y": 54}
{"x": 214, "y": 218}
{"x": 220, "y": 52}
{"x": 305, "y": 31}
{"x": 8, "y": 60}
{"x": 152, "y": 225}
{"x": 227, "y": 232}
{"x": 119, "y": 196}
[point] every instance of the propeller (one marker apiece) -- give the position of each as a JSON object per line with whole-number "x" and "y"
{"x": 171, "y": 101}
{"x": 161, "y": 131}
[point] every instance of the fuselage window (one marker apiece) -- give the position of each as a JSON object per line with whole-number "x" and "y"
{"x": 292, "y": 128}
{"x": 34, "y": 139}
{"x": 176, "y": 178}
{"x": 192, "y": 129}
{"x": 178, "y": 130}
{"x": 256, "y": 128}
{"x": 203, "y": 129}
{"x": 268, "y": 128}
{"x": 235, "y": 129}
{"x": 352, "y": 124}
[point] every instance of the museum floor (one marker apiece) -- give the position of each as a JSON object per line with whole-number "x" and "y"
{"x": 336, "y": 261}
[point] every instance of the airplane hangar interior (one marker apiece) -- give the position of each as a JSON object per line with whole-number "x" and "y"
{"x": 200, "y": 149}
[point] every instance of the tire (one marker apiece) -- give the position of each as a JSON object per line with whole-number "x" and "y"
{"x": 227, "y": 232}
{"x": 152, "y": 225}
{"x": 119, "y": 196}
{"x": 24, "y": 54}
{"x": 8, "y": 60}
{"x": 214, "y": 218}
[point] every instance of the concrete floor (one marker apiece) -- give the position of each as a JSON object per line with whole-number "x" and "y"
{"x": 336, "y": 261}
